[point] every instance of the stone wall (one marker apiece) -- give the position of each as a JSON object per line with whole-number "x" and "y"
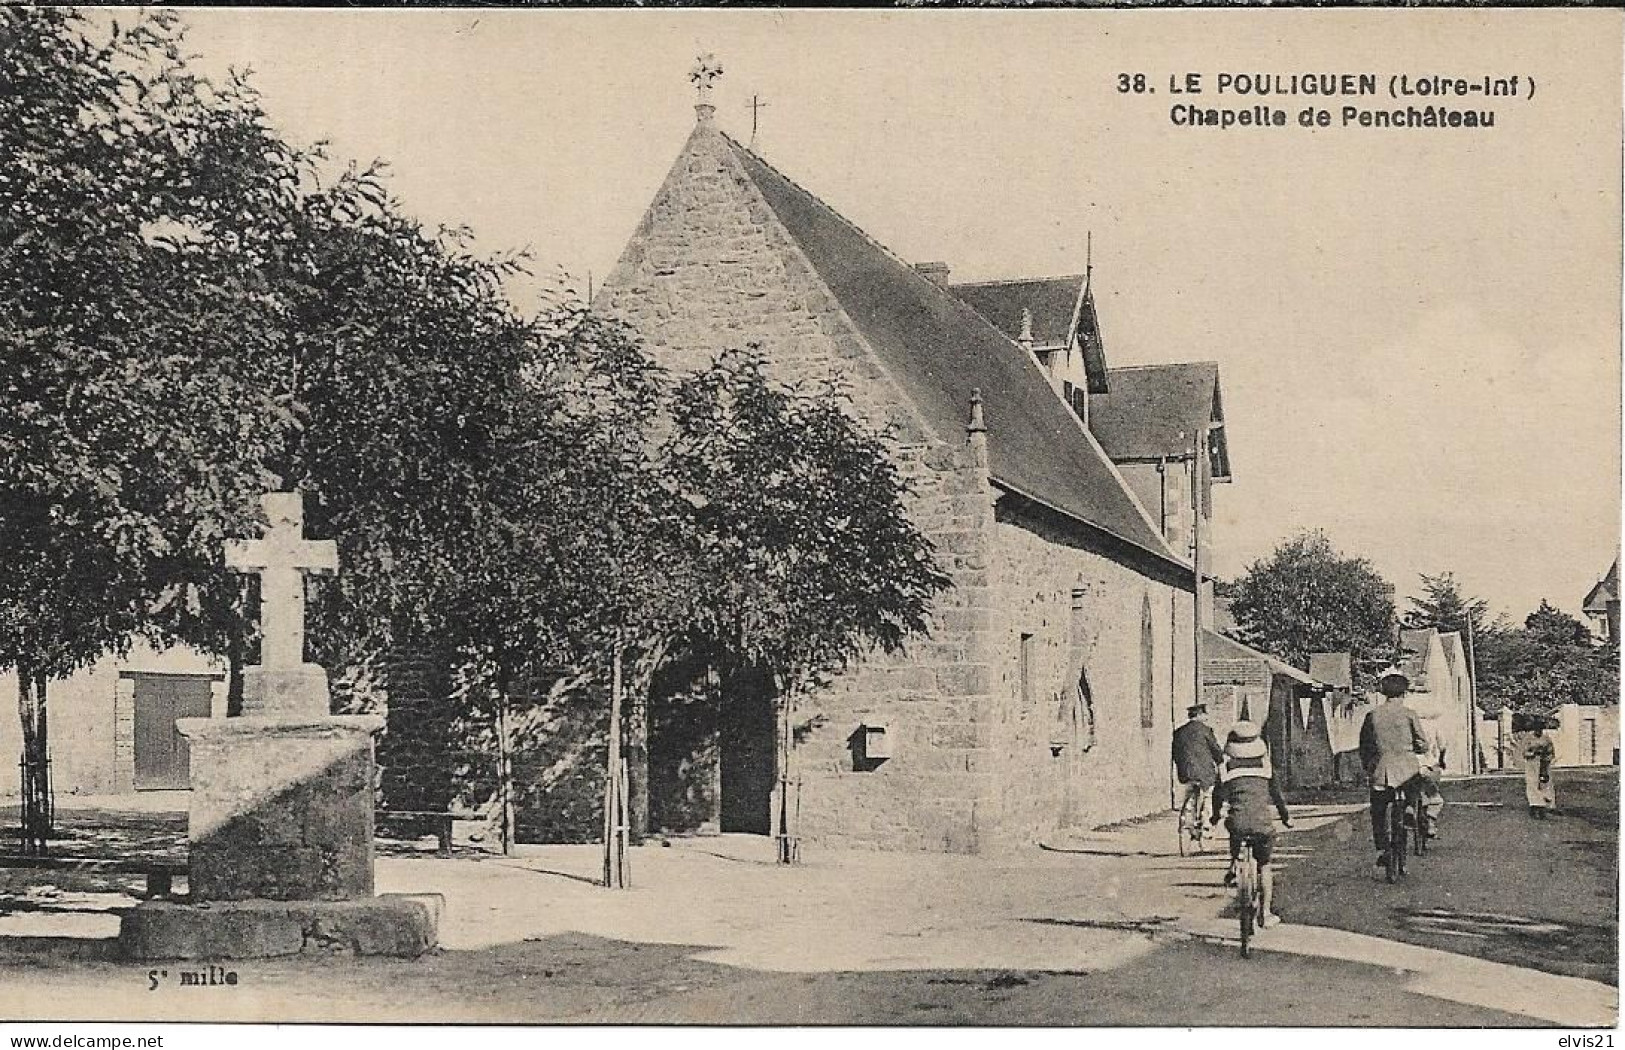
{"x": 1074, "y": 611}
{"x": 419, "y": 768}
{"x": 711, "y": 269}
{"x": 936, "y": 790}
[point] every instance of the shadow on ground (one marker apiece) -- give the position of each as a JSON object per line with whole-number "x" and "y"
{"x": 576, "y": 978}
{"x": 1496, "y": 884}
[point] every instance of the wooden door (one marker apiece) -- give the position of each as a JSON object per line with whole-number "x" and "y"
{"x": 161, "y": 757}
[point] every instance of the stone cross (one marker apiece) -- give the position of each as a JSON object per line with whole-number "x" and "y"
{"x": 282, "y": 558}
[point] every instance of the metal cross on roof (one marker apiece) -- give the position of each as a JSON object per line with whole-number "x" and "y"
{"x": 756, "y": 107}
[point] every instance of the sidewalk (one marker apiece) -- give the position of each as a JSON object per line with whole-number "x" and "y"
{"x": 846, "y": 910}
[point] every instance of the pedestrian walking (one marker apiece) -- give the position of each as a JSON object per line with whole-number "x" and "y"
{"x": 1538, "y": 754}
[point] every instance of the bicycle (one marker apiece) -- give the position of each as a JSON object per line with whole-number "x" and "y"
{"x": 1249, "y": 896}
{"x": 1192, "y": 828}
{"x": 1417, "y": 811}
{"x": 1394, "y": 856}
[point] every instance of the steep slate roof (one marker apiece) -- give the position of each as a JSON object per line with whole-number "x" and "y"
{"x": 1151, "y": 411}
{"x": 939, "y": 350}
{"x": 1335, "y": 669}
{"x": 1455, "y": 657}
{"x": 1053, "y": 302}
{"x": 1414, "y": 660}
{"x": 1216, "y": 646}
{"x": 1057, "y": 305}
{"x": 1605, "y": 591}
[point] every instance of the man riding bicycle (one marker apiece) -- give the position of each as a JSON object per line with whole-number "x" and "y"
{"x": 1196, "y": 761}
{"x": 1247, "y": 784}
{"x": 1391, "y": 738}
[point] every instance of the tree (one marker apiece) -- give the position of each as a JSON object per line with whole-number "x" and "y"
{"x": 1554, "y": 629}
{"x": 195, "y": 311}
{"x": 798, "y": 514}
{"x": 798, "y": 534}
{"x": 194, "y": 314}
{"x": 1549, "y": 661}
{"x": 1307, "y": 597}
{"x": 129, "y": 317}
{"x": 1442, "y": 605}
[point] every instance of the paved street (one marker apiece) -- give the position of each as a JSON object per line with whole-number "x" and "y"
{"x": 1507, "y": 922}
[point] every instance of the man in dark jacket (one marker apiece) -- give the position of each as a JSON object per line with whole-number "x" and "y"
{"x": 1391, "y": 738}
{"x": 1196, "y": 759}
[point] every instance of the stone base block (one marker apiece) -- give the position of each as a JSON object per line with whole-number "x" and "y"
{"x": 297, "y": 692}
{"x": 393, "y": 924}
{"x": 281, "y": 809}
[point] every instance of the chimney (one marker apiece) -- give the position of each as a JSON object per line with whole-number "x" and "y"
{"x": 935, "y": 272}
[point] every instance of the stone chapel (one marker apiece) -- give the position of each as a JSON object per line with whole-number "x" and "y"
{"x": 1062, "y": 658}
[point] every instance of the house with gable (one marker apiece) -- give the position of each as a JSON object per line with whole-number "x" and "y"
{"x": 1441, "y": 695}
{"x": 1461, "y": 688}
{"x": 1345, "y": 713}
{"x": 1161, "y": 425}
{"x": 1061, "y": 659}
{"x": 1601, "y": 605}
{"x": 1052, "y": 318}
{"x": 1240, "y": 682}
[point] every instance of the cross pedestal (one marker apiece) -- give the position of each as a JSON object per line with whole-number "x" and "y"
{"x": 281, "y": 821}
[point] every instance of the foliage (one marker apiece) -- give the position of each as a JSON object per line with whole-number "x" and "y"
{"x": 1548, "y": 662}
{"x": 130, "y": 333}
{"x": 1443, "y": 606}
{"x": 1307, "y": 597}
{"x": 797, "y": 526}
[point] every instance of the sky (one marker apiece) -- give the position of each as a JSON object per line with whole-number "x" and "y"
{"x": 1418, "y": 331}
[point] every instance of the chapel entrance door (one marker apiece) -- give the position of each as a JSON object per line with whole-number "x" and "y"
{"x": 748, "y": 743}
{"x": 162, "y": 760}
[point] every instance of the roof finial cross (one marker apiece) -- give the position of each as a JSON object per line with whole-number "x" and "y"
{"x": 705, "y": 72}
{"x": 756, "y": 107}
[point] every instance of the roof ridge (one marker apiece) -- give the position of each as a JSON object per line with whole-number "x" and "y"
{"x": 1015, "y": 280}
{"x": 898, "y": 259}
{"x": 1163, "y": 364}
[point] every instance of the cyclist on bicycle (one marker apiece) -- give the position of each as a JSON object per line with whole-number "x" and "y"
{"x": 1247, "y": 785}
{"x": 1196, "y": 761}
{"x": 1391, "y": 738}
{"x": 1433, "y": 765}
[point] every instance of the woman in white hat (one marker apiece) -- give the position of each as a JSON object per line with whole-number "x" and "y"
{"x": 1247, "y": 785}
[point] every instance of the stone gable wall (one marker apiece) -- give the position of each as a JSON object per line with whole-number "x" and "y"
{"x": 710, "y": 268}
{"x": 972, "y": 767}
